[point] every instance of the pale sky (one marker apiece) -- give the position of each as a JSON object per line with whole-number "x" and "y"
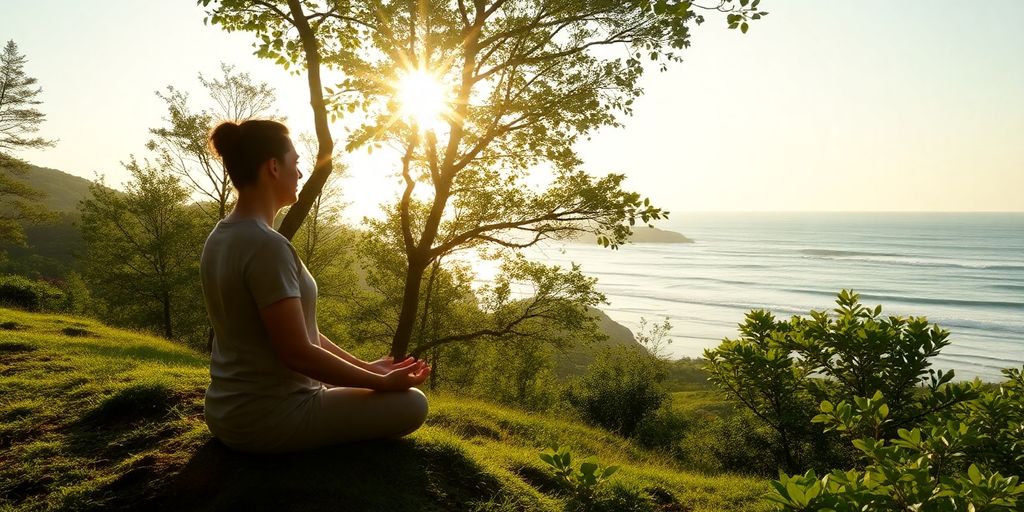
{"x": 851, "y": 106}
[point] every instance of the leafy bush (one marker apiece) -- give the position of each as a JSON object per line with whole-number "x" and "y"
{"x": 620, "y": 389}
{"x": 24, "y": 293}
{"x": 737, "y": 443}
{"x": 953, "y": 462}
{"x": 779, "y": 370}
{"x": 662, "y": 429}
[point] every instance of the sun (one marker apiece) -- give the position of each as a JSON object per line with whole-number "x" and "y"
{"x": 422, "y": 98}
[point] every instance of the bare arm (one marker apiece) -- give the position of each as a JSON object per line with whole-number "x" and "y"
{"x": 329, "y": 346}
{"x": 284, "y": 322}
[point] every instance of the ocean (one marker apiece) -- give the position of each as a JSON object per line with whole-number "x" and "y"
{"x": 964, "y": 271}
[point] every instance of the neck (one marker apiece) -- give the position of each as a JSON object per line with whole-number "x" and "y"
{"x": 253, "y": 204}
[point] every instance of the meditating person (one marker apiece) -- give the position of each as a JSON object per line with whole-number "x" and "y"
{"x": 277, "y": 383}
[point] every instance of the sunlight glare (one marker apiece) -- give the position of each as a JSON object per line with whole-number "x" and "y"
{"x": 421, "y": 98}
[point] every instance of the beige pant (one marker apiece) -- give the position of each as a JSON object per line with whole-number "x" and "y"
{"x": 339, "y": 415}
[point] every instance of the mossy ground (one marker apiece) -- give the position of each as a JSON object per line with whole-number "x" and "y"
{"x": 93, "y": 417}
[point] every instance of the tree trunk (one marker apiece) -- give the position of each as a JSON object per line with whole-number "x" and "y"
{"x": 410, "y": 306}
{"x": 167, "y": 315}
{"x": 325, "y": 151}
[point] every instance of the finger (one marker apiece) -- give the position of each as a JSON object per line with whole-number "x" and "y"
{"x": 419, "y": 377}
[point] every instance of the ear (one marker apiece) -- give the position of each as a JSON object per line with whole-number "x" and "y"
{"x": 271, "y": 165}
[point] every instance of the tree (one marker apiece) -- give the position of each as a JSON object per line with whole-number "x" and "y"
{"x": 19, "y": 202}
{"x": 527, "y": 303}
{"x": 183, "y": 146}
{"x": 141, "y": 248}
{"x": 518, "y": 82}
{"x": 19, "y": 118}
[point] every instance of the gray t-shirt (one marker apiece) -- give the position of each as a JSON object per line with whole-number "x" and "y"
{"x": 245, "y": 266}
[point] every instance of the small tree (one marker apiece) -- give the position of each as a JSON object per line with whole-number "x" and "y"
{"x": 142, "y": 247}
{"x": 620, "y": 389}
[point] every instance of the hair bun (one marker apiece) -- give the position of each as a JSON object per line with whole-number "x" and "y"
{"x": 225, "y": 138}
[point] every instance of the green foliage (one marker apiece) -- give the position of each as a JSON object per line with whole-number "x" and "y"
{"x": 998, "y": 417}
{"x": 663, "y": 428}
{"x": 19, "y": 117}
{"x": 24, "y": 293}
{"x": 947, "y": 464}
{"x": 734, "y": 443}
{"x": 620, "y": 389}
{"x": 20, "y": 203}
{"x": 142, "y": 248}
{"x": 779, "y": 370}
{"x": 77, "y": 297}
{"x": 584, "y": 482}
{"x": 687, "y": 374}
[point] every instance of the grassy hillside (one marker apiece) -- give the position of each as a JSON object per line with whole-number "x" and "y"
{"x": 93, "y": 417}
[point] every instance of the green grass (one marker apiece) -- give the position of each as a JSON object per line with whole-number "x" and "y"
{"x": 702, "y": 405}
{"x": 112, "y": 419}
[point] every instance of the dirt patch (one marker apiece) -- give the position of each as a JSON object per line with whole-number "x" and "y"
{"x": 78, "y": 332}
{"x": 11, "y": 347}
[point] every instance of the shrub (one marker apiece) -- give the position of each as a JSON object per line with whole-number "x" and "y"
{"x": 24, "y": 293}
{"x": 662, "y": 429}
{"x": 620, "y": 388}
{"x": 955, "y": 461}
{"x": 738, "y": 443}
{"x": 780, "y": 369}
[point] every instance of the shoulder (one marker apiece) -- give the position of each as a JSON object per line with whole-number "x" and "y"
{"x": 267, "y": 242}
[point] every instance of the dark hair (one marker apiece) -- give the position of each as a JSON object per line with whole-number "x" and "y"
{"x": 245, "y": 147}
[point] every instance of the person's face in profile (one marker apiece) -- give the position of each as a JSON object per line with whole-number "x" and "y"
{"x": 288, "y": 177}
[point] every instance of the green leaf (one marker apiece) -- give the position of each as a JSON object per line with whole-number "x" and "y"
{"x": 974, "y": 474}
{"x": 796, "y": 494}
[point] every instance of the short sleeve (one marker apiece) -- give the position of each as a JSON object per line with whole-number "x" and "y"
{"x": 272, "y": 273}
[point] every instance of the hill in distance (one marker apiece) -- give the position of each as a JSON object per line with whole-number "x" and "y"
{"x": 642, "y": 235}
{"x": 63, "y": 191}
{"x": 51, "y": 246}
{"x": 98, "y": 418}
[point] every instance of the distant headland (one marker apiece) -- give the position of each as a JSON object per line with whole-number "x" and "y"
{"x": 644, "y": 235}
